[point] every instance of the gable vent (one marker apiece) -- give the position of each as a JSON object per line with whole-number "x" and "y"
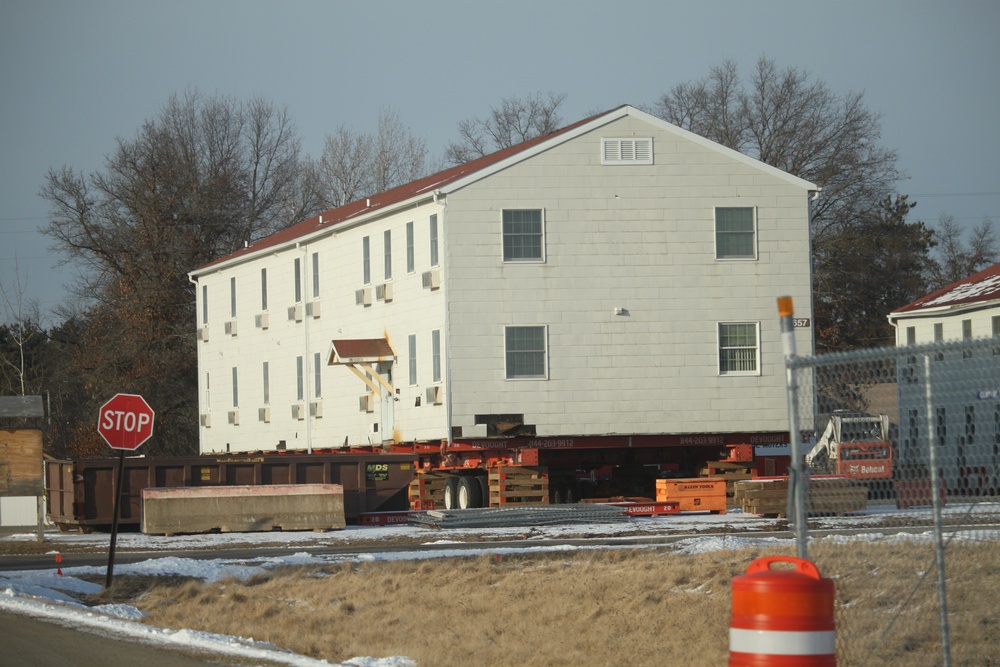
{"x": 637, "y": 150}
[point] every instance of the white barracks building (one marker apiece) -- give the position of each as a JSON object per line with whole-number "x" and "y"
{"x": 615, "y": 277}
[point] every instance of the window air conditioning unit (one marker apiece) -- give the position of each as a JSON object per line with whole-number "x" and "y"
{"x": 264, "y": 415}
{"x": 434, "y": 395}
{"x": 234, "y": 417}
{"x": 432, "y": 279}
{"x": 363, "y": 297}
{"x": 366, "y": 402}
{"x": 261, "y": 321}
{"x": 312, "y": 309}
{"x": 203, "y": 334}
{"x": 231, "y": 328}
{"x": 298, "y": 411}
{"x": 206, "y": 420}
{"x": 316, "y": 409}
{"x": 295, "y": 313}
{"x": 383, "y": 292}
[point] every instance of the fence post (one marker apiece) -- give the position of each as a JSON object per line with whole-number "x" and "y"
{"x": 936, "y": 487}
{"x": 796, "y": 478}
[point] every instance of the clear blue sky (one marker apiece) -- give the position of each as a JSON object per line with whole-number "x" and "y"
{"x": 75, "y": 75}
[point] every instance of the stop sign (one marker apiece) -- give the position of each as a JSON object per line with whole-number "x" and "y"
{"x": 126, "y": 421}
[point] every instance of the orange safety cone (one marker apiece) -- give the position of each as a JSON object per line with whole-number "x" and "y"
{"x": 59, "y": 564}
{"x": 782, "y": 617}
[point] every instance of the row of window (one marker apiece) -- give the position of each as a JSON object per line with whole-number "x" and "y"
{"x": 911, "y": 332}
{"x": 526, "y": 354}
{"x": 966, "y": 427}
{"x": 523, "y": 233}
{"x": 523, "y": 240}
{"x": 366, "y": 251}
{"x": 300, "y": 381}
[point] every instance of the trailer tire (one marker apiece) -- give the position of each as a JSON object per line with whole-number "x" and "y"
{"x": 470, "y": 494}
{"x": 450, "y": 492}
{"x": 484, "y": 488}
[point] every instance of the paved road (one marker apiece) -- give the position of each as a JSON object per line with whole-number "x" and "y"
{"x": 30, "y": 642}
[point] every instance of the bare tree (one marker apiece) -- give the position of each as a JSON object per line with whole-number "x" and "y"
{"x": 517, "y": 119}
{"x": 20, "y": 334}
{"x": 959, "y": 255}
{"x": 356, "y": 165}
{"x": 789, "y": 121}
{"x": 205, "y": 177}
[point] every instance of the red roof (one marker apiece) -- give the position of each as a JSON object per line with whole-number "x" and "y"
{"x": 402, "y": 193}
{"x": 978, "y": 288}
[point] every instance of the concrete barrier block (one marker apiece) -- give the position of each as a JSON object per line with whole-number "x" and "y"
{"x": 243, "y": 509}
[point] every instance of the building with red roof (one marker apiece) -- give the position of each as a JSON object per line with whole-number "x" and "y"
{"x": 615, "y": 278}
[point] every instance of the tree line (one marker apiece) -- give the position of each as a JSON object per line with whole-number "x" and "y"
{"x": 208, "y": 175}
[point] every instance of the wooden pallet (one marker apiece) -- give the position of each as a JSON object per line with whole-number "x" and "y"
{"x": 769, "y": 497}
{"x": 426, "y": 491}
{"x": 519, "y": 485}
{"x": 731, "y": 471}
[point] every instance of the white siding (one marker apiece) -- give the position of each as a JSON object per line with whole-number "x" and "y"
{"x": 413, "y": 309}
{"x": 639, "y": 238}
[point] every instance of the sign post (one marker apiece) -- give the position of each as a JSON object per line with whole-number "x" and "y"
{"x": 125, "y": 422}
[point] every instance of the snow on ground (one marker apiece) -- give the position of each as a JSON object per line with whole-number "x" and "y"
{"x": 47, "y": 594}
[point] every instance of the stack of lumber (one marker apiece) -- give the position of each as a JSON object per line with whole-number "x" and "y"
{"x": 426, "y": 490}
{"x": 518, "y": 485}
{"x": 731, "y": 471}
{"x": 832, "y": 495}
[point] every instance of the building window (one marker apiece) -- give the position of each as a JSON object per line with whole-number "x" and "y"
{"x": 911, "y": 335}
{"x": 204, "y": 304}
{"x": 970, "y": 425}
{"x": 941, "y": 427}
{"x": 236, "y": 388}
{"x": 410, "y": 255}
{"x": 434, "y": 240}
{"x": 436, "y": 355}
{"x": 525, "y": 352}
{"x": 232, "y": 298}
{"x": 315, "y": 268}
{"x": 387, "y": 251}
{"x": 966, "y": 335}
{"x": 938, "y": 337}
{"x": 523, "y": 233}
{"x": 735, "y": 233}
{"x": 411, "y": 350}
{"x": 317, "y": 376}
{"x": 996, "y": 333}
{"x": 627, "y": 151}
{"x": 366, "y": 260}
{"x": 300, "y": 376}
{"x": 208, "y": 392}
{"x": 738, "y": 348}
{"x": 263, "y": 289}
{"x": 267, "y": 384}
{"x": 298, "y": 280}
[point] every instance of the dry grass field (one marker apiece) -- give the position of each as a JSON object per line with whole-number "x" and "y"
{"x": 581, "y": 608}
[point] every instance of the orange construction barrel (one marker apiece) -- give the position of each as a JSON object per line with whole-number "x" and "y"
{"x": 782, "y": 617}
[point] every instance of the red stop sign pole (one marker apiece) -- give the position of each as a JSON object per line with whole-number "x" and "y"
{"x": 125, "y": 422}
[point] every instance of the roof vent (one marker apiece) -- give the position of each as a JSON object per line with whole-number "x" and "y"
{"x": 369, "y": 202}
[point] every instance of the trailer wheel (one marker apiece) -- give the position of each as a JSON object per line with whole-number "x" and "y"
{"x": 469, "y": 493}
{"x": 484, "y": 488}
{"x": 558, "y": 495}
{"x": 450, "y": 492}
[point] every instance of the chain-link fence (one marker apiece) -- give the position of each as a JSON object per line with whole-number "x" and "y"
{"x": 902, "y": 447}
